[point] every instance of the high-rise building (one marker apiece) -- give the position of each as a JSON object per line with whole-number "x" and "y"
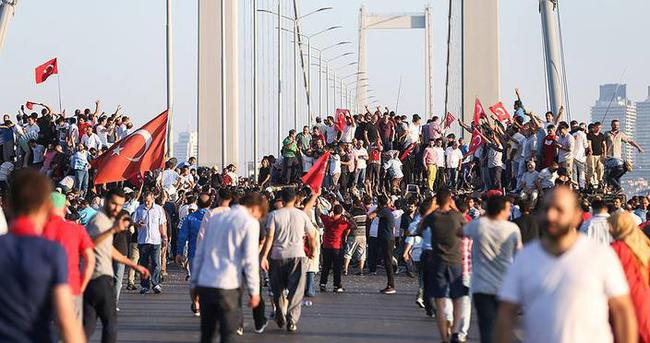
{"x": 642, "y": 167}
{"x": 613, "y": 104}
{"x": 186, "y": 146}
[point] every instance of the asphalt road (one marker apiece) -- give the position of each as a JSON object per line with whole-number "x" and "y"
{"x": 361, "y": 314}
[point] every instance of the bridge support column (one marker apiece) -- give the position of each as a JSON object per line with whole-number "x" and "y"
{"x": 218, "y": 83}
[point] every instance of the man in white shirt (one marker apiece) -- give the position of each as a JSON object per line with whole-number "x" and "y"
{"x": 597, "y": 228}
{"x": 495, "y": 240}
{"x": 361, "y": 157}
{"x": 90, "y": 139}
{"x": 566, "y": 148}
{"x": 228, "y": 251}
{"x": 528, "y": 183}
{"x": 440, "y": 164}
{"x": 453, "y": 157}
{"x": 579, "y": 154}
{"x": 568, "y": 287}
{"x": 150, "y": 221}
{"x": 102, "y": 131}
{"x": 170, "y": 179}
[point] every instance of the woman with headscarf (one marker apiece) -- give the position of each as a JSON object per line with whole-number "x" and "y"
{"x": 633, "y": 250}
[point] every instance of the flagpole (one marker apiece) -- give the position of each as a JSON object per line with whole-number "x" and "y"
{"x": 170, "y": 81}
{"x": 58, "y": 81}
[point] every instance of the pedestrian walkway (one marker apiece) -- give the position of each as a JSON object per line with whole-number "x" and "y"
{"x": 359, "y": 315}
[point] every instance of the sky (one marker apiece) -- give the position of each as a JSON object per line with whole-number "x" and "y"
{"x": 115, "y": 51}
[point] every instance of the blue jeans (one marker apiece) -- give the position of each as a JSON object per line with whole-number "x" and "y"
{"x": 310, "y": 286}
{"x": 150, "y": 258}
{"x": 81, "y": 180}
{"x": 118, "y": 269}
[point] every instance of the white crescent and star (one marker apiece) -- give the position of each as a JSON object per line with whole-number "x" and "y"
{"x": 147, "y": 142}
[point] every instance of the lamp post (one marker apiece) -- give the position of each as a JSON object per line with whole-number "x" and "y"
{"x": 309, "y": 48}
{"x": 295, "y": 22}
{"x": 334, "y": 73}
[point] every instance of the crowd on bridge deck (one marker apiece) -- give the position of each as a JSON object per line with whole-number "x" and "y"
{"x": 528, "y": 214}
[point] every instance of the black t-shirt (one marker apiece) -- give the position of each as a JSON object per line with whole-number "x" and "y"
{"x": 358, "y": 132}
{"x": 386, "y": 224}
{"x": 446, "y": 228}
{"x": 121, "y": 242}
{"x": 372, "y": 131}
{"x": 264, "y": 172}
{"x": 596, "y": 143}
{"x": 528, "y": 226}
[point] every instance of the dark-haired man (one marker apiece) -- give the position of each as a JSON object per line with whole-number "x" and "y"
{"x": 99, "y": 297}
{"x": 189, "y": 233}
{"x": 335, "y": 227}
{"x": 495, "y": 241}
{"x": 445, "y": 260}
{"x": 228, "y": 251}
{"x": 572, "y": 288}
{"x": 386, "y": 240}
{"x": 150, "y": 221}
{"x": 597, "y": 228}
{"x": 283, "y": 255}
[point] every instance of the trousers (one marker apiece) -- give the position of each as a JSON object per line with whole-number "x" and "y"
{"x": 288, "y": 274}
{"x": 99, "y": 302}
{"x": 220, "y": 311}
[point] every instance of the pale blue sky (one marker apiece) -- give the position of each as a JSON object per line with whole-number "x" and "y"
{"x": 115, "y": 51}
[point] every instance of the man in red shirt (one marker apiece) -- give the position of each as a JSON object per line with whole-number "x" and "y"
{"x": 336, "y": 227}
{"x": 549, "y": 147}
{"x": 77, "y": 245}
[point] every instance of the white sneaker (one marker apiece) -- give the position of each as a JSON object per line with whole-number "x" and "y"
{"x": 157, "y": 289}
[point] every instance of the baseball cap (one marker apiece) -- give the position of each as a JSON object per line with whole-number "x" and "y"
{"x": 127, "y": 190}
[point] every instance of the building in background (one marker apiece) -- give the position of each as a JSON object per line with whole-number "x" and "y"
{"x": 186, "y": 146}
{"x": 642, "y": 166}
{"x": 614, "y": 104}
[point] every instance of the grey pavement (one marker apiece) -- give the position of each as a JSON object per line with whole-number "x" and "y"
{"x": 361, "y": 314}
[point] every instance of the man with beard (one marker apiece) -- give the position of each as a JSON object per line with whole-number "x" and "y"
{"x": 570, "y": 287}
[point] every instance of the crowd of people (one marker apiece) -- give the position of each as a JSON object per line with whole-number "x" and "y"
{"x": 524, "y": 221}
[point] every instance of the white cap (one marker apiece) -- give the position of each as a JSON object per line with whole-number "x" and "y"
{"x": 127, "y": 190}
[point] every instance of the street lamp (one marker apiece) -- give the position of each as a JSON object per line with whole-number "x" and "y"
{"x": 295, "y": 62}
{"x": 309, "y": 37}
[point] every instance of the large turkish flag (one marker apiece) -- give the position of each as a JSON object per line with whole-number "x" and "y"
{"x": 141, "y": 151}
{"x": 316, "y": 174}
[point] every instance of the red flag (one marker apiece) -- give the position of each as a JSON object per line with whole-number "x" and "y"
{"x": 339, "y": 119}
{"x": 315, "y": 175}
{"x": 479, "y": 112}
{"x": 449, "y": 119}
{"x": 476, "y": 142}
{"x": 500, "y": 111}
{"x": 45, "y": 70}
{"x": 29, "y": 105}
{"x": 407, "y": 151}
{"x": 141, "y": 151}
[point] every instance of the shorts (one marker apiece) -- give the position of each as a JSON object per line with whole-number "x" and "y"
{"x": 355, "y": 247}
{"x": 447, "y": 281}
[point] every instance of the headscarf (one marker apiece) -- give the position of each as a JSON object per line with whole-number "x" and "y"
{"x": 623, "y": 228}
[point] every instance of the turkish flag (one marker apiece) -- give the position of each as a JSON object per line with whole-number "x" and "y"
{"x": 406, "y": 152}
{"x": 316, "y": 174}
{"x": 339, "y": 119}
{"x": 141, "y": 151}
{"x": 476, "y": 142}
{"x": 29, "y": 105}
{"x": 479, "y": 112}
{"x": 500, "y": 111}
{"x": 45, "y": 70}
{"x": 449, "y": 119}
